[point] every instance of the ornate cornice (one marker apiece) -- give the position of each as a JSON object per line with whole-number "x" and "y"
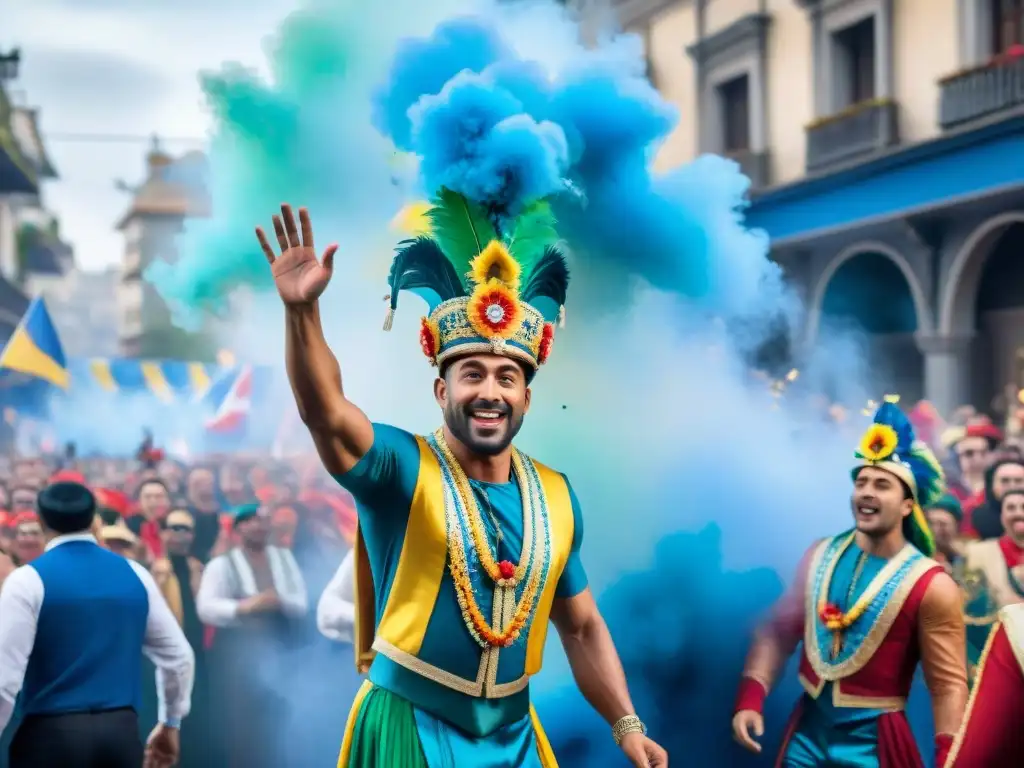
{"x": 748, "y": 32}
{"x": 632, "y": 12}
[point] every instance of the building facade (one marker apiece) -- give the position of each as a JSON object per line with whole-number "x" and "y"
{"x": 884, "y": 140}
{"x": 33, "y": 258}
{"x": 172, "y": 192}
{"x": 83, "y": 306}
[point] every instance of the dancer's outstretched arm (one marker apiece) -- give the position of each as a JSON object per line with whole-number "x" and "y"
{"x": 341, "y": 431}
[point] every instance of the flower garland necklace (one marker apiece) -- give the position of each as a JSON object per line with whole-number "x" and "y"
{"x": 503, "y": 573}
{"x": 831, "y": 615}
{"x": 463, "y": 511}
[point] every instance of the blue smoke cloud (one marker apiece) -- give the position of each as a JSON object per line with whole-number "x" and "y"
{"x": 697, "y": 494}
{"x": 504, "y": 132}
{"x": 484, "y": 146}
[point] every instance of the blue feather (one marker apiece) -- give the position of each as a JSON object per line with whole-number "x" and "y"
{"x": 893, "y": 416}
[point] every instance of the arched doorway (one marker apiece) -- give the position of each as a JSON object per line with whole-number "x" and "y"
{"x": 868, "y": 296}
{"x": 997, "y": 358}
{"x": 982, "y": 302}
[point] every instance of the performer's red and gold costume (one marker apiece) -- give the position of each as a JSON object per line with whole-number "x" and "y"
{"x": 992, "y": 735}
{"x": 858, "y": 662}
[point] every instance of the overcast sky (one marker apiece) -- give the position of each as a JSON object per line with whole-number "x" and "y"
{"x": 121, "y": 67}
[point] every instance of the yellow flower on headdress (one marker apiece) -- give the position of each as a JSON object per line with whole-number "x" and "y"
{"x": 878, "y": 442}
{"x": 495, "y": 263}
{"x": 494, "y": 310}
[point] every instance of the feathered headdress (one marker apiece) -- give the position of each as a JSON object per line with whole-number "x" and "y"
{"x": 491, "y": 285}
{"x": 889, "y": 444}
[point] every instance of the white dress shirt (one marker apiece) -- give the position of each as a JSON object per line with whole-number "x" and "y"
{"x": 228, "y": 579}
{"x": 21, "y": 599}
{"x": 336, "y": 611}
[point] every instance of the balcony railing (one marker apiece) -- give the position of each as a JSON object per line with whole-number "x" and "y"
{"x": 982, "y": 92}
{"x": 754, "y": 166}
{"x": 854, "y": 133}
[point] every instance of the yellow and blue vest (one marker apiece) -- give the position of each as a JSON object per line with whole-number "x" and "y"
{"x": 409, "y": 632}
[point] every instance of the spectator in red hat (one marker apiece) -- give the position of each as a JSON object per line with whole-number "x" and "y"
{"x": 113, "y": 506}
{"x": 68, "y": 476}
{"x": 973, "y": 446}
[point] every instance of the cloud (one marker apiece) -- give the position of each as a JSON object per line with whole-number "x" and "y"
{"x": 143, "y": 6}
{"x": 86, "y": 90}
{"x": 122, "y": 68}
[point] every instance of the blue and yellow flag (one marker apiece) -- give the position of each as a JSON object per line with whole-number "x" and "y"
{"x": 34, "y": 348}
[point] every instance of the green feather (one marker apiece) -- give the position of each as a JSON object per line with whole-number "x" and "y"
{"x": 533, "y": 232}
{"x": 461, "y": 228}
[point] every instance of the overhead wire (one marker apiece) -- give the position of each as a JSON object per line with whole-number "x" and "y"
{"x": 119, "y": 138}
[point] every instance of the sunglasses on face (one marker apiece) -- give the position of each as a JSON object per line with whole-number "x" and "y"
{"x": 180, "y": 528}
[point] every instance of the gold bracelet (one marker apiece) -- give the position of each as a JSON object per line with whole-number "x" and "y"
{"x": 627, "y": 724}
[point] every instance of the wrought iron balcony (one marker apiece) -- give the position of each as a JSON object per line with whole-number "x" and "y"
{"x": 853, "y": 134}
{"x": 754, "y": 166}
{"x": 982, "y": 92}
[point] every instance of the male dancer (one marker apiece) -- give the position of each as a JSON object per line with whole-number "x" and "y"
{"x": 465, "y": 546}
{"x": 991, "y": 735}
{"x": 868, "y": 605}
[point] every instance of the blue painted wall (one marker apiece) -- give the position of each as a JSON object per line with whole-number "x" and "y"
{"x": 920, "y": 175}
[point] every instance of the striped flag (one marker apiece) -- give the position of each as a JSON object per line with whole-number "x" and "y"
{"x": 232, "y": 412}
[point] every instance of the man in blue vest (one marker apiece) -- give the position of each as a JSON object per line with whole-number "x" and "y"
{"x": 75, "y": 622}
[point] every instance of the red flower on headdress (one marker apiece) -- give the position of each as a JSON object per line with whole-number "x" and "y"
{"x": 494, "y": 310}
{"x": 547, "y": 339}
{"x": 429, "y": 339}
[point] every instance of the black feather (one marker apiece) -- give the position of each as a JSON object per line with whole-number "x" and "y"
{"x": 421, "y": 263}
{"x": 549, "y": 278}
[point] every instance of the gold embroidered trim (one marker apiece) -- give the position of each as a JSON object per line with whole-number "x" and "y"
{"x": 958, "y": 740}
{"x": 1012, "y": 617}
{"x": 883, "y": 622}
{"x": 480, "y": 687}
{"x": 482, "y": 348}
{"x": 852, "y": 701}
{"x": 813, "y": 690}
{"x": 452, "y": 319}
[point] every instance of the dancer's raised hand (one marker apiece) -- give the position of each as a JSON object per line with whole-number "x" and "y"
{"x": 299, "y": 276}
